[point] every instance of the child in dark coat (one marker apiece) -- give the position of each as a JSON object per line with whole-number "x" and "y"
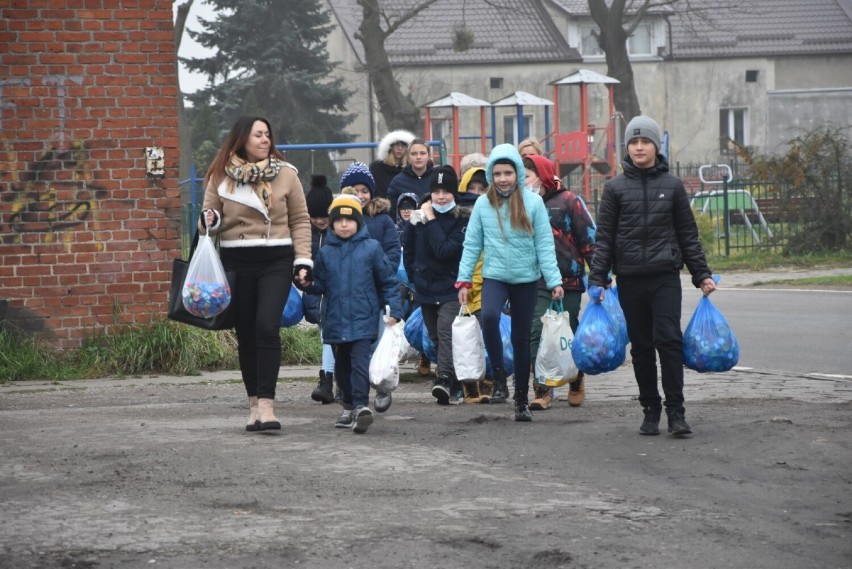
{"x": 357, "y": 281}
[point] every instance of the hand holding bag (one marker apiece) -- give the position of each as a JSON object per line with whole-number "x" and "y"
{"x": 598, "y": 346}
{"x": 384, "y": 363}
{"x": 176, "y": 310}
{"x": 709, "y": 344}
{"x": 206, "y": 292}
{"x": 554, "y": 364}
{"x": 468, "y": 347}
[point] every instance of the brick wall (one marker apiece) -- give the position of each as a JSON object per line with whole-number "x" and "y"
{"x": 86, "y": 235}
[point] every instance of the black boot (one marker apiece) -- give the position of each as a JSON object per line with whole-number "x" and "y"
{"x": 522, "y": 408}
{"x": 651, "y": 423}
{"x": 441, "y": 389}
{"x": 501, "y": 389}
{"x": 677, "y": 424}
{"x": 324, "y": 391}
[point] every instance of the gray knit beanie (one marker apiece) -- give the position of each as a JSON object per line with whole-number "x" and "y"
{"x": 644, "y": 127}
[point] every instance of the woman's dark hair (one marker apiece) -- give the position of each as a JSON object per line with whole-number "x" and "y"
{"x": 530, "y": 165}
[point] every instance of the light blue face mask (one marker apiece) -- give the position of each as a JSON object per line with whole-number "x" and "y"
{"x": 443, "y": 208}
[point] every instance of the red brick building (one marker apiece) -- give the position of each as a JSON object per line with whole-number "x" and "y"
{"x": 89, "y": 218}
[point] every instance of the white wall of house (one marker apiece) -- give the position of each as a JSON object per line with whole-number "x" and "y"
{"x": 690, "y": 99}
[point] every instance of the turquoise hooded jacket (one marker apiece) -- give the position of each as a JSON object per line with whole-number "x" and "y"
{"x": 511, "y": 256}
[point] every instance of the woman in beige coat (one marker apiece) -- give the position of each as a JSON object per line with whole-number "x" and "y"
{"x": 253, "y": 199}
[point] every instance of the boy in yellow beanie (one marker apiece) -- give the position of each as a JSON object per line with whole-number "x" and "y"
{"x": 354, "y": 274}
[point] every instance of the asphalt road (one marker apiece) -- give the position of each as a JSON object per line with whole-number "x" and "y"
{"x": 158, "y": 472}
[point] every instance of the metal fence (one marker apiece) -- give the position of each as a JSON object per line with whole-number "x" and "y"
{"x": 735, "y": 216}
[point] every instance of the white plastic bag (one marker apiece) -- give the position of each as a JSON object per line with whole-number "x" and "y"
{"x": 554, "y": 364}
{"x": 384, "y": 364}
{"x": 468, "y": 347}
{"x": 205, "y": 292}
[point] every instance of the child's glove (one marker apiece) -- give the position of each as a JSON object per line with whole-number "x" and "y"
{"x": 297, "y": 269}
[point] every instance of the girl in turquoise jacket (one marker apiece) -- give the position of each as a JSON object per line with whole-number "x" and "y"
{"x": 511, "y": 229}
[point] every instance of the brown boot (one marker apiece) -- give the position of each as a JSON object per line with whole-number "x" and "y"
{"x": 268, "y": 421}
{"x": 253, "y": 423}
{"x": 577, "y": 391}
{"x": 543, "y": 398}
{"x": 486, "y": 387}
{"x": 471, "y": 393}
{"x": 424, "y": 366}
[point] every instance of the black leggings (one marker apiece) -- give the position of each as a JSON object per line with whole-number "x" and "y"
{"x": 264, "y": 276}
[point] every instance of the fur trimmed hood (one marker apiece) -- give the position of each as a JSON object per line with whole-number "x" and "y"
{"x": 391, "y": 137}
{"x": 378, "y": 205}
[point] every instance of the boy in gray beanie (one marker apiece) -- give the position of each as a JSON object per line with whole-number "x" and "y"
{"x": 646, "y": 233}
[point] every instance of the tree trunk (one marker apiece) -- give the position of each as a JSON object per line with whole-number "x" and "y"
{"x": 184, "y": 129}
{"x": 398, "y": 110}
{"x": 613, "y": 41}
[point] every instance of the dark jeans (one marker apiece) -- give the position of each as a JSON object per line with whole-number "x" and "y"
{"x": 263, "y": 284}
{"x": 439, "y": 322}
{"x": 652, "y": 309}
{"x": 352, "y": 370}
{"x": 522, "y": 298}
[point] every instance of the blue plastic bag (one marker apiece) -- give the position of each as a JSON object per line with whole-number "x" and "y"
{"x": 616, "y": 314}
{"x": 294, "y": 310}
{"x": 417, "y": 335}
{"x": 598, "y": 345}
{"x": 508, "y": 352}
{"x": 709, "y": 344}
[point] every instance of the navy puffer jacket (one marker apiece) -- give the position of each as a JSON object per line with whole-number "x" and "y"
{"x": 356, "y": 281}
{"x": 431, "y": 253}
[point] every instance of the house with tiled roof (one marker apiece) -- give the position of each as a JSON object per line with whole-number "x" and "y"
{"x": 758, "y": 74}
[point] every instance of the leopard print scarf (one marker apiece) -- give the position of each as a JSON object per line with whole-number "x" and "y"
{"x": 257, "y": 174}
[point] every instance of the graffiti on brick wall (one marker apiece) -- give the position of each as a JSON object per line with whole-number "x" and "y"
{"x": 52, "y": 197}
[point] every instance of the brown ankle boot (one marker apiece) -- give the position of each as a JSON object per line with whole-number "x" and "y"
{"x": 268, "y": 421}
{"x": 253, "y": 423}
{"x": 577, "y": 391}
{"x": 543, "y": 398}
{"x": 471, "y": 393}
{"x": 485, "y": 389}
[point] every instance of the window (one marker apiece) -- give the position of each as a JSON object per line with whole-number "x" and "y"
{"x": 640, "y": 42}
{"x": 510, "y": 129}
{"x": 733, "y": 126}
{"x": 589, "y": 43}
{"x": 496, "y": 82}
{"x": 751, "y": 76}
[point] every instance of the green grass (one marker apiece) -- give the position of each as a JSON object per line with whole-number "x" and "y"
{"x": 841, "y": 281}
{"x": 758, "y": 261}
{"x": 162, "y": 347}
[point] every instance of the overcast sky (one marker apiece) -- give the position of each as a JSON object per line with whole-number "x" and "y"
{"x": 191, "y": 82}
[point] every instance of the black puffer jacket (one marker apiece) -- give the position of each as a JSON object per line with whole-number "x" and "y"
{"x": 646, "y": 226}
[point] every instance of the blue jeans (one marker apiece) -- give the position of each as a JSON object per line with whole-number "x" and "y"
{"x": 352, "y": 371}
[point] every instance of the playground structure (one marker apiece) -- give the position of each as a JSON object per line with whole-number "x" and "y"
{"x": 569, "y": 150}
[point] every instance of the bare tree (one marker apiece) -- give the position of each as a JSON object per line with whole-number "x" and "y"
{"x": 398, "y": 109}
{"x": 618, "y": 19}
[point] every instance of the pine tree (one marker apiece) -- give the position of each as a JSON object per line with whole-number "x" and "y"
{"x": 271, "y": 56}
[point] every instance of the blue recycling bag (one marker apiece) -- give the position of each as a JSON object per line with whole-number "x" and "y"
{"x": 418, "y": 336}
{"x": 598, "y": 344}
{"x": 508, "y": 352}
{"x": 616, "y": 314}
{"x": 709, "y": 344}
{"x": 294, "y": 310}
